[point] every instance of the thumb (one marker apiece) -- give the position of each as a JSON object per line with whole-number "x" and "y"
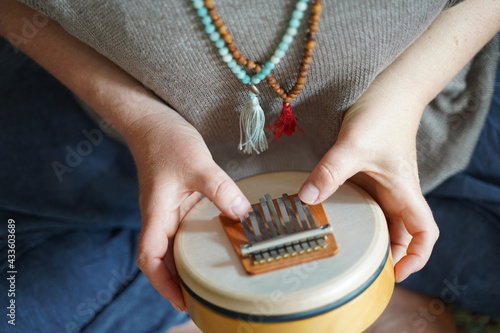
{"x": 338, "y": 165}
{"x": 219, "y": 188}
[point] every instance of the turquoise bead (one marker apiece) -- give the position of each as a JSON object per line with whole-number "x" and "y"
{"x": 283, "y": 46}
{"x": 294, "y": 23}
{"x": 255, "y": 79}
{"x": 279, "y": 53}
{"x": 214, "y": 36}
{"x": 210, "y": 28}
{"x": 232, "y": 63}
{"x": 206, "y": 20}
{"x": 236, "y": 70}
{"x": 291, "y": 31}
{"x": 220, "y": 43}
{"x": 301, "y": 5}
{"x": 241, "y": 75}
{"x": 246, "y": 80}
{"x": 202, "y": 12}
{"x": 198, "y": 3}
{"x": 288, "y": 39}
{"x": 297, "y": 14}
{"x": 223, "y": 51}
{"x": 265, "y": 71}
{"x": 227, "y": 58}
{"x": 269, "y": 65}
{"x": 261, "y": 76}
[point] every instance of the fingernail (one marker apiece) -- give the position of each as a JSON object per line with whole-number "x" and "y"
{"x": 240, "y": 206}
{"x": 309, "y": 193}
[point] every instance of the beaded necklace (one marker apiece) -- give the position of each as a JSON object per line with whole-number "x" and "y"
{"x": 252, "y": 118}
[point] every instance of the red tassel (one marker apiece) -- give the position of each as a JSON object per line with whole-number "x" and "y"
{"x": 286, "y": 123}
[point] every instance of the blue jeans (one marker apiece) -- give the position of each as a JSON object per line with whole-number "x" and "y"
{"x": 464, "y": 269}
{"x": 70, "y": 194}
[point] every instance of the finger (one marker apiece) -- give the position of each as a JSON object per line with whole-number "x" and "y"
{"x": 219, "y": 188}
{"x": 189, "y": 203}
{"x": 400, "y": 238}
{"x": 333, "y": 170}
{"x": 159, "y": 222}
{"x": 420, "y": 224}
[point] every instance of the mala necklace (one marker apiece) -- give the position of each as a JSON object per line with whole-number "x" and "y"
{"x": 252, "y": 119}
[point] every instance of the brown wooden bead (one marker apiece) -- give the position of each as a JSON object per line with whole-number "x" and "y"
{"x": 306, "y": 60}
{"x": 276, "y": 87}
{"x": 231, "y": 46}
{"x": 213, "y": 14}
{"x": 295, "y": 90}
{"x": 303, "y": 73}
{"x": 314, "y": 27}
{"x": 270, "y": 80}
{"x": 310, "y": 45}
{"x": 209, "y": 4}
{"x": 250, "y": 64}
{"x": 315, "y": 17}
{"x": 309, "y": 53}
{"x": 242, "y": 60}
{"x": 316, "y": 8}
{"x": 222, "y": 29}
{"x": 257, "y": 68}
{"x": 288, "y": 99}
{"x": 218, "y": 22}
{"x": 228, "y": 38}
{"x": 301, "y": 80}
{"x": 236, "y": 54}
{"x": 298, "y": 87}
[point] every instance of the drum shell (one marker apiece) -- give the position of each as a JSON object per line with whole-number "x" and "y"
{"x": 353, "y": 317}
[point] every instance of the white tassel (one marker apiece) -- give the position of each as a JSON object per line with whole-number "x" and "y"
{"x": 252, "y": 121}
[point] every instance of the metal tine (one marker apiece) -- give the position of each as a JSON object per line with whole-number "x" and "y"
{"x": 298, "y": 248}
{"x": 248, "y": 233}
{"x": 266, "y": 256}
{"x": 303, "y": 219}
{"x": 300, "y": 210}
{"x": 291, "y": 212}
{"x": 284, "y": 215}
{"x": 261, "y": 222}
{"x": 259, "y": 258}
{"x": 309, "y": 216}
{"x": 268, "y": 218}
{"x": 282, "y": 252}
{"x": 255, "y": 227}
{"x": 292, "y": 249}
{"x": 277, "y": 220}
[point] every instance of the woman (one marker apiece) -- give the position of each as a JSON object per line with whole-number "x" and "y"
{"x": 172, "y": 99}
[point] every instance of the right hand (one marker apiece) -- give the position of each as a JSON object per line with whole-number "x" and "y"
{"x": 174, "y": 168}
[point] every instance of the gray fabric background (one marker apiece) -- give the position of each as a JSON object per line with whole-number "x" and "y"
{"x": 163, "y": 45}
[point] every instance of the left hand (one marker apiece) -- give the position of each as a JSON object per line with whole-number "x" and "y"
{"x": 376, "y": 149}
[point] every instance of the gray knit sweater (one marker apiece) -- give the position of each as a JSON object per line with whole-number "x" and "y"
{"x": 163, "y": 45}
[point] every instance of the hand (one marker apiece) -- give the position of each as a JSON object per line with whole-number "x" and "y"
{"x": 376, "y": 148}
{"x": 174, "y": 167}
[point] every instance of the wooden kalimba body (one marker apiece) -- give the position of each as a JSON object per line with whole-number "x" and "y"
{"x": 344, "y": 291}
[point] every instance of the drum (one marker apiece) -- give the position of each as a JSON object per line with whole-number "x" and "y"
{"x": 342, "y": 293}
